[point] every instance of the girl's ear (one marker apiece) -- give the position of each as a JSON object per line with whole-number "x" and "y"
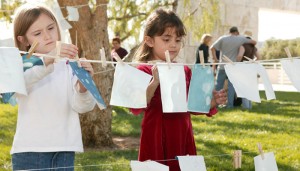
{"x": 149, "y": 41}
{"x": 23, "y": 40}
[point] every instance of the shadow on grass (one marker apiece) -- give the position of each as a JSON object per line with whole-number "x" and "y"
{"x": 124, "y": 123}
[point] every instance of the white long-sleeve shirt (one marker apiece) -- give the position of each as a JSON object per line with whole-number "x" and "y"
{"x": 48, "y": 119}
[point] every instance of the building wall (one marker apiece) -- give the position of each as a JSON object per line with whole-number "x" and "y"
{"x": 240, "y": 13}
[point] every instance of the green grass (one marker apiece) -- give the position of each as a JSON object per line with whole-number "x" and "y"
{"x": 275, "y": 124}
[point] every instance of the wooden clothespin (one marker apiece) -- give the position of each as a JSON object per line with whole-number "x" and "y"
{"x": 117, "y": 57}
{"x": 237, "y": 159}
{"x": 201, "y": 57}
{"x": 225, "y": 58}
{"x": 77, "y": 57}
{"x": 288, "y": 53}
{"x": 103, "y": 57}
{"x": 32, "y": 49}
{"x": 58, "y": 48}
{"x": 261, "y": 150}
{"x": 168, "y": 59}
{"x": 249, "y": 59}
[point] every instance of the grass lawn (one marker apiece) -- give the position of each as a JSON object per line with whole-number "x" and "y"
{"x": 275, "y": 124}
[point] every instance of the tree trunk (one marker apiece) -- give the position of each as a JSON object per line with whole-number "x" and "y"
{"x": 92, "y": 35}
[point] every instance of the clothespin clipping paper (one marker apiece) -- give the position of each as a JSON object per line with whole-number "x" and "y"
{"x": 287, "y": 51}
{"x": 225, "y": 58}
{"x": 201, "y": 56}
{"x": 168, "y": 59}
{"x": 249, "y": 59}
{"x": 260, "y": 150}
{"x": 237, "y": 159}
{"x": 32, "y": 49}
{"x": 103, "y": 57}
{"x": 118, "y": 59}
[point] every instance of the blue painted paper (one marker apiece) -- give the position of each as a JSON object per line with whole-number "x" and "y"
{"x": 87, "y": 81}
{"x": 27, "y": 63}
{"x": 200, "y": 90}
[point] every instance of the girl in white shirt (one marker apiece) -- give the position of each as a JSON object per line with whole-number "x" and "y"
{"x": 48, "y": 130}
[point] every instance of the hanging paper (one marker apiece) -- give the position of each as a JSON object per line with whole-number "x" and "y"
{"x": 261, "y": 71}
{"x": 268, "y": 163}
{"x": 172, "y": 88}
{"x": 73, "y": 14}
{"x": 64, "y": 24}
{"x": 148, "y": 166}
{"x": 129, "y": 87}
{"x": 191, "y": 163}
{"x": 244, "y": 80}
{"x": 200, "y": 90}
{"x": 11, "y": 71}
{"x": 87, "y": 81}
{"x": 292, "y": 69}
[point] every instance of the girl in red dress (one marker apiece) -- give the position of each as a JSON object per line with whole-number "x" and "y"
{"x": 165, "y": 135}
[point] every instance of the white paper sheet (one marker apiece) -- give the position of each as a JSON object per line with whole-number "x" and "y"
{"x": 148, "y": 166}
{"x": 11, "y": 71}
{"x": 292, "y": 69}
{"x": 129, "y": 87}
{"x": 266, "y": 164}
{"x": 244, "y": 80}
{"x": 172, "y": 88}
{"x": 64, "y": 24}
{"x": 191, "y": 163}
{"x": 73, "y": 14}
{"x": 266, "y": 82}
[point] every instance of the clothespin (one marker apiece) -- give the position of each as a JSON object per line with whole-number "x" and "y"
{"x": 32, "y": 49}
{"x": 287, "y": 51}
{"x": 260, "y": 150}
{"x": 237, "y": 159}
{"x": 201, "y": 56}
{"x": 103, "y": 57}
{"x": 168, "y": 59}
{"x": 117, "y": 57}
{"x": 77, "y": 57}
{"x": 225, "y": 58}
{"x": 249, "y": 59}
{"x": 58, "y": 48}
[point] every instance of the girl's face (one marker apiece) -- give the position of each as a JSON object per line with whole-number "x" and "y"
{"x": 45, "y": 31}
{"x": 167, "y": 41}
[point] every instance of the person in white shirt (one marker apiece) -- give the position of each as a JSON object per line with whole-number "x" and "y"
{"x": 48, "y": 130}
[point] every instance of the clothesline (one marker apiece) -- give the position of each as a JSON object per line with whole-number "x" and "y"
{"x": 209, "y": 156}
{"x": 153, "y": 62}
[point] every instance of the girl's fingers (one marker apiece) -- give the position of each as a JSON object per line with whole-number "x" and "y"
{"x": 87, "y": 66}
{"x": 68, "y": 50}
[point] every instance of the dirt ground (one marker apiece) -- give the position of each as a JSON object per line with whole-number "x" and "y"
{"x": 120, "y": 143}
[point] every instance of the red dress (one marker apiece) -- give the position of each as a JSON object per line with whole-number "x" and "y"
{"x": 166, "y": 135}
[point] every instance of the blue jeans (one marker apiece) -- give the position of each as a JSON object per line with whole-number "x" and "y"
{"x": 45, "y": 161}
{"x": 221, "y": 76}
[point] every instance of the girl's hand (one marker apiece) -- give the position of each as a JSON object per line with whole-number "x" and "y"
{"x": 155, "y": 75}
{"x": 220, "y": 97}
{"x": 68, "y": 50}
{"x": 87, "y": 66}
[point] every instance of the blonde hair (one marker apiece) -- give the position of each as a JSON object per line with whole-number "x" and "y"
{"x": 205, "y": 39}
{"x": 156, "y": 25}
{"x": 25, "y": 16}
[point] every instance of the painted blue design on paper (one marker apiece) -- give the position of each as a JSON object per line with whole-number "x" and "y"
{"x": 200, "y": 90}
{"x": 86, "y": 79}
